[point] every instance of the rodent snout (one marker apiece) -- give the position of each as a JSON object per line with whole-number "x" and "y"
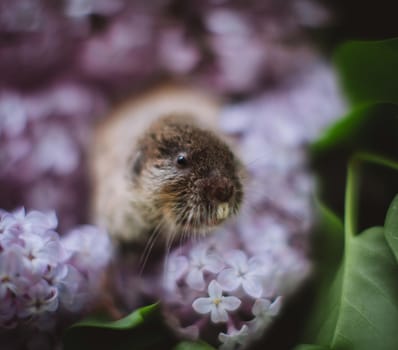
{"x": 219, "y": 189}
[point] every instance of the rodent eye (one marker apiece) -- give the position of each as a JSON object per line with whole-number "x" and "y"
{"x": 182, "y": 160}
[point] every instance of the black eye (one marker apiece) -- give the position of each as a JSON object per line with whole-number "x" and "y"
{"x": 182, "y": 160}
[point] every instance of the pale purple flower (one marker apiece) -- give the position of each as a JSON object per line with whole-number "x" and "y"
{"x": 13, "y": 116}
{"x": 56, "y": 151}
{"x": 264, "y": 310}
{"x": 10, "y": 269}
{"x": 80, "y": 243}
{"x": 40, "y": 251}
{"x": 201, "y": 260}
{"x": 176, "y": 267}
{"x": 39, "y": 298}
{"x": 33, "y": 222}
{"x": 234, "y": 338}
{"x": 38, "y": 279}
{"x": 243, "y": 272}
{"x": 216, "y": 304}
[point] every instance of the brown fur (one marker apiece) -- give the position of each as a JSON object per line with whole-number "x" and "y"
{"x": 139, "y": 186}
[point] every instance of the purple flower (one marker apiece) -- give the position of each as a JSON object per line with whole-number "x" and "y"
{"x": 10, "y": 269}
{"x": 40, "y": 251}
{"x": 264, "y": 310}
{"x": 243, "y": 272}
{"x": 202, "y": 260}
{"x": 38, "y": 299}
{"x": 37, "y": 277}
{"x": 88, "y": 248}
{"x": 216, "y": 304}
{"x": 234, "y": 338}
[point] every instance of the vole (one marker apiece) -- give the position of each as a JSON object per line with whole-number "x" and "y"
{"x": 158, "y": 163}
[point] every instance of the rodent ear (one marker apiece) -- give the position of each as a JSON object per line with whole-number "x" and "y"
{"x": 138, "y": 163}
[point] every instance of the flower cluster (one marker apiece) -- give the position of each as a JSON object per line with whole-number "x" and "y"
{"x": 42, "y": 274}
{"x": 234, "y": 281}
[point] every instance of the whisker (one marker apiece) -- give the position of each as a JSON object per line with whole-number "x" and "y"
{"x": 149, "y": 246}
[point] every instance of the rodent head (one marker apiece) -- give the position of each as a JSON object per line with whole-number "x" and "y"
{"x": 188, "y": 177}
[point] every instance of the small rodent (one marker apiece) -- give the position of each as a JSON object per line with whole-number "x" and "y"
{"x": 158, "y": 164}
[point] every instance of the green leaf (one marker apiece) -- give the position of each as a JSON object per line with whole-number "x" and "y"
{"x": 186, "y": 345}
{"x": 141, "y": 330}
{"x": 370, "y": 133}
{"x": 364, "y": 298}
{"x": 310, "y": 347}
{"x": 134, "y": 319}
{"x": 369, "y": 70}
{"x": 391, "y": 227}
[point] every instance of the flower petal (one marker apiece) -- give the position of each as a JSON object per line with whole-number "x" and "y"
{"x": 260, "y": 306}
{"x": 203, "y": 305}
{"x": 230, "y": 303}
{"x": 213, "y": 263}
{"x": 218, "y": 314}
{"x": 215, "y": 290}
{"x": 195, "y": 279}
{"x": 275, "y": 306}
{"x": 228, "y": 279}
{"x": 252, "y": 286}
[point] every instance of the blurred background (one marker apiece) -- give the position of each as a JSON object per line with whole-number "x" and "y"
{"x": 64, "y": 64}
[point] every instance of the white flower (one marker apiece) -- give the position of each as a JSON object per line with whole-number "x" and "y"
{"x": 216, "y": 304}
{"x": 201, "y": 260}
{"x": 244, "y": 272}
{"x": 41, "y": 251}
{"x": 88, "y": 247}
{"x": 175, "y": 268}
{"x": 233, "y": 338}
{"x": 10, "y": 268}
{"x": 264, "y": 311}
{"x": 39, "y": 299}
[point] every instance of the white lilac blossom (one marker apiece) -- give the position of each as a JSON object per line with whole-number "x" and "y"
{"x": 201, "y": 260}
{"x": 263, "y": 311}
{"x": 243, "y": 272}
{"x": 234, "y": 338}
{"x": 216, "y": 304}
{"x": 41, "y": 274}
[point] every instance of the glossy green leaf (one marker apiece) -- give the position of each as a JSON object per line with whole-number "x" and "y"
{"x": 371, "y": 133}
{"x": 310, "y": 347}
{"x": 369, "y": 70}
{"x": 134, "y": 319}
{"x": 391, "y": 227}
{"x": 141, "y": 330}
{"x": 363, "y": 296}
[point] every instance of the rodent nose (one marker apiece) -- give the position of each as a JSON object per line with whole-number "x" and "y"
{"x": 222, "y": 190}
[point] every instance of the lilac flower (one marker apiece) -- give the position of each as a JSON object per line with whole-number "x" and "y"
{"x": 10, "y": 269}
{"x": 216, "y": 304}
{"x": 38, "y": 299}
{"x": 177, "y": 266}
{"x": 79, "y": 245}
{"x": 264, "y": 311}
{"x": 201, "y": 260}
{"x": 234, "y": 338}
{"x": 243, "y": 272}
{"x": 39, "y": 279}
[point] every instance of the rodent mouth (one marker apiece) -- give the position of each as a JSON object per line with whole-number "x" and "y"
{"x": 200, "y": 220}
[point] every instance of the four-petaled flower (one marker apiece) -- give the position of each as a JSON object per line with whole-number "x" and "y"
{"x": 233, "y": 338}
{"x": 264, "y": 311}
{"x": 216, "y": 304}
{"x": 201, "y": 260}
{"x": 243, "y": 272}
